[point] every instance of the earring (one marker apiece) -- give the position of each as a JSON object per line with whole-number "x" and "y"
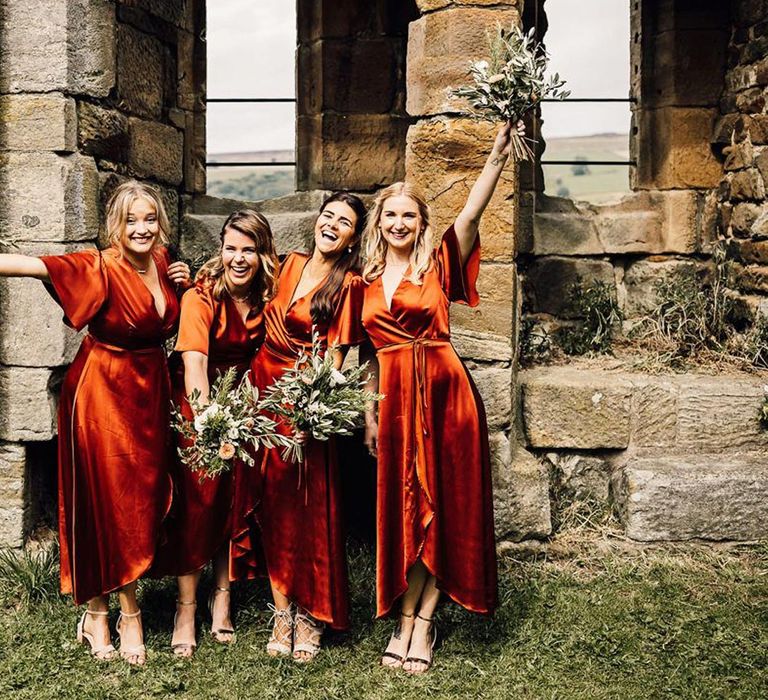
{"x": 349, "y": 248}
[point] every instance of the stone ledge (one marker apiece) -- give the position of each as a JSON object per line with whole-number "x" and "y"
{"x": 694, "y": 497}
{"x": 38, "y": 123}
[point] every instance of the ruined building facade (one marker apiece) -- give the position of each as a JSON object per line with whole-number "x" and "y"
{"x": 94, "y": 91}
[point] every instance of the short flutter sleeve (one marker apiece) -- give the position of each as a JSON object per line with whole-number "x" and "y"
{"x": 459, "y": 281}
{"x": 78, "y": 283}
{"x": 347, "y": 325}
{"x": 197, "y": 314}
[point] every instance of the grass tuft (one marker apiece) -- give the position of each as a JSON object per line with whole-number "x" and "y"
{"x": 29, "y": 575}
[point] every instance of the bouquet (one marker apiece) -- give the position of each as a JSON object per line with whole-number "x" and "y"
{"x": 225, "y": 428}
{"x": 315, "y": 397}
{"x": 511, "y": 82}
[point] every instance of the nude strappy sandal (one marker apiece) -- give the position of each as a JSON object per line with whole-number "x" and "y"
{"x": 179, "y": 648}
{"x": 103, "y": 653}
{"x": 127, "y": 653}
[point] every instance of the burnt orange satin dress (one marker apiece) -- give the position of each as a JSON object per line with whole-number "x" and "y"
{"x": 200, "y": 521}
{"x": 434, "y": 497}
{"x": 301, "y": 521}
{"x": 114, "y": 484}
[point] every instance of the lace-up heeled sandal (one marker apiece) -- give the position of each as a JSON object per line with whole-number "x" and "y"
{"x": 281, "y": 640}
{"x": 309, "y": 629}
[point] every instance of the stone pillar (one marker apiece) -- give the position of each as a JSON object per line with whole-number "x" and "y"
{"x": 351, "y": 120}
{"x": 91, "y": 92}
{"x": 444, "y": 155}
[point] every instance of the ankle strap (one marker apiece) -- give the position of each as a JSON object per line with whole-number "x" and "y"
{"x": 125, "y": 614}
{"x": 426, "y": 619}
{"x": 223, "y": 590}
{"x": 96, "y": 612}
{"x": 186, "y": 602}
{"x": 409, "y": 616}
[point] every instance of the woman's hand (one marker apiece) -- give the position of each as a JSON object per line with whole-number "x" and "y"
{"x": 178, "y": 273}
{"x": 301, "y": 436}
{"x": 503, "y": 144}
{"x": 371, "y": 439}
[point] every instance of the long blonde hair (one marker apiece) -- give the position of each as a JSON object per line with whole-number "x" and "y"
{"x": 119, "y": 204}
{"x": 375, "y": 246}
{"x": 254, "y": 225}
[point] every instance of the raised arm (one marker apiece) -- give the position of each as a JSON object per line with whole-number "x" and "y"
{"x": 14, "y": 265}
{"x": 468, "y": 220}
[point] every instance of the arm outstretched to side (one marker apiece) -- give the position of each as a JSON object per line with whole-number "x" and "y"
{"x": 468, "y": 220}
{"x": 15, "y": 265}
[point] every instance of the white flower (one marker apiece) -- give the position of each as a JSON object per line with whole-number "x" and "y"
{"x": 201, "y": 420}
{"x": 337, "y": 377}
{"x": 233, "y": 433}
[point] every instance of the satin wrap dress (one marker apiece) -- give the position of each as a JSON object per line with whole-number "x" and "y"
{"x": 299, "y": 514}
{"x": 201, "y": 519}
{"x": 434, "y": 498}
{"x": 114, "y": 483}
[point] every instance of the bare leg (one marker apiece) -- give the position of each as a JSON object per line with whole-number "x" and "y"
{"x": 183, "y": 640}
{"x": 423, "y": 634}
{"x": 98, "y": 625}
{"x": 130, "y": 629}
{"x": 281, "y": 639}
{"x": 401, "y": 638}
{"x": 220, "y": 610}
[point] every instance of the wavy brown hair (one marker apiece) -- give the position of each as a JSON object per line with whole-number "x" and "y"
{"x": 375, "y": 246}
{"x": 119, "y": 204}
{"x": 254, "y": 225}
{"x": 324, "y": 301}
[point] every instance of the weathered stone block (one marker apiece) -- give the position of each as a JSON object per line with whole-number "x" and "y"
{"x": 12, "y": 463}
{"x": 496, "y": 286}
{"x": 572, "y": 409}
{"x": 565, "y": 234}
{"x": 57, "y": 46}
{"x": 444, "y": 157}
{"x": 48, "y": 197}
{"x": 654, "y": 412}
{"x": 156, "y": 151}
{"x": 495, "y": 387}
{"x": 520, "y": 490}
{"x": 580, "y": 476}
{"x": 441, "y": 46}
{"x": 747, "y": 184}
{"x": 749, "y": 252}
{"x": 640, "y": 280}
{"x": 740, "y": 126}
{"x": 678, "y": 153}
{"x": 29, "y": 409}
{"x": 103, "y": 133}
{"x": 695, "y": 497}
{"x": 548, "y": 282}
{"x": 141, "y": 66}
{"x": 38, "y": 123}
{"x": 480, "y": 347}
{"x": 720, "y": 415}
{"x": 743, "y": 217}
{"x": 431, "y": 5}
{"x": 739, "y": 156}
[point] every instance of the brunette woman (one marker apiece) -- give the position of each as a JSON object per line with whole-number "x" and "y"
{"x": 434, "y": 510}
{"x": 221, "y": 327}
{"x": 114, "y": 484}
{"x": 299, "y": 512}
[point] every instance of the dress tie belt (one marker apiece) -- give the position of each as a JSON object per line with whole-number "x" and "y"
{"x": 420, "y": 430}
{"x": 145, "y": 349}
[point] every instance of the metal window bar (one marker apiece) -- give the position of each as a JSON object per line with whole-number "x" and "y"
{"x": 249, "y": 164}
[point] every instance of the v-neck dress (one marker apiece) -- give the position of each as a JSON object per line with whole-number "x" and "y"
{"x": 200, "y": 521}
{"x": 434, "y": 499}
{"x": 301, "y": 521}
{"x": 114, "y": 483}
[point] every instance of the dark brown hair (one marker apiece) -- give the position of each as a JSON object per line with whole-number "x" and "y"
{"x": 324, "y": 301}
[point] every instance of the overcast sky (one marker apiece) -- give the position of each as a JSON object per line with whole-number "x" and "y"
{"x": 251, "y": 53}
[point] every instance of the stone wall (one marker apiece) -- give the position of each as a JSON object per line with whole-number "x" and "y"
{"x": 742, "y": 132}
{"x": 91, "y": 92}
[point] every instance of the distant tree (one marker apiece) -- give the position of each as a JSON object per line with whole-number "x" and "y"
{"x": 581, "y": 168}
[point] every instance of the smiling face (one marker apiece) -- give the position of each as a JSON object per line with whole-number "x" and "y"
{"x": 142, "y": 227}
{"x": 335, "y": 229}
{"x": 400, "y": 222}
{"x": 240, "y": 260}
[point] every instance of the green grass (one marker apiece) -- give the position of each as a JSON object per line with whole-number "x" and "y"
{"x": 602, "y": 621}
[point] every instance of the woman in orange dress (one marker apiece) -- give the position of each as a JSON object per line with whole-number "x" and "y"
{"x": 221, "y": 327}
{"x": 114, "y": 484}
{"x": 434, "y": 504}
{"x": 299, "y": 512}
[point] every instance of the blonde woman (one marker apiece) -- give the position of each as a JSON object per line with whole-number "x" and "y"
{"x": 114, "y": 485}
{"x": 434, "y": 511}
{"x": 221, "y": 327}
